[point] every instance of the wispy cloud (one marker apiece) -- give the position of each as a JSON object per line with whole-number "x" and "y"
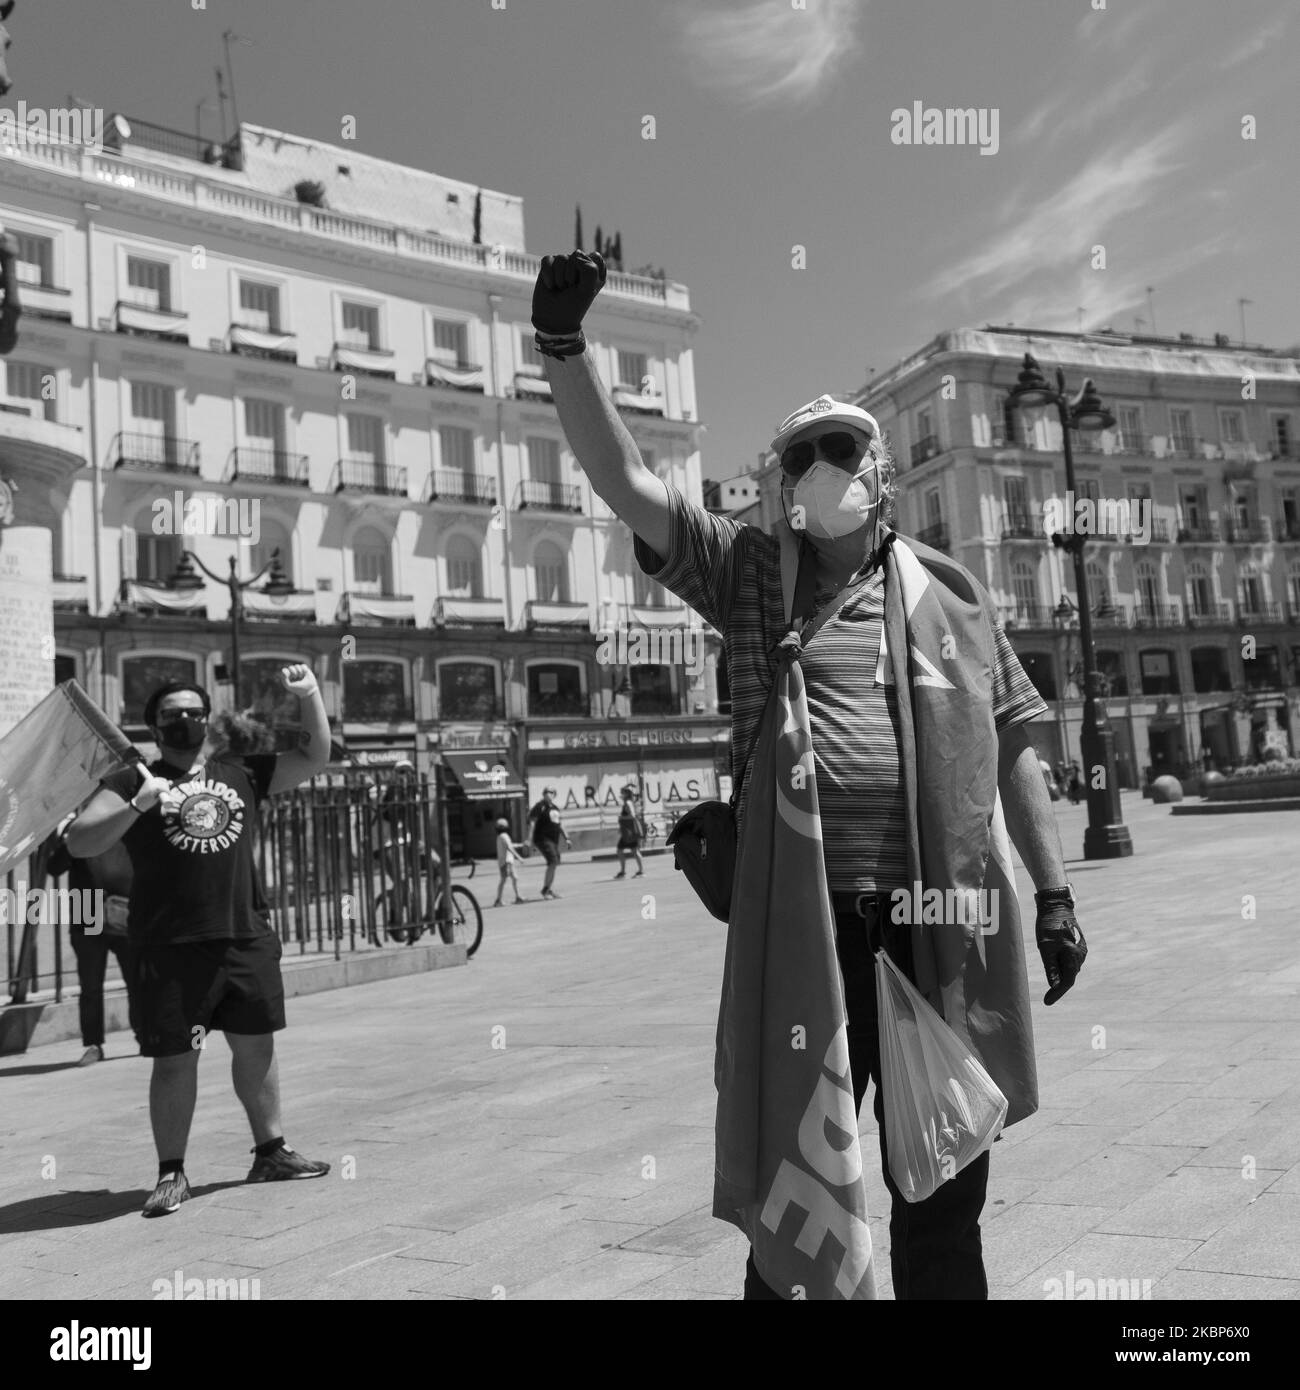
{"x": 1041, "y": 233}
{"x": 1255, "y": 44}
{"x": 1072, "y": 107}
{"x": 768, "y": 53}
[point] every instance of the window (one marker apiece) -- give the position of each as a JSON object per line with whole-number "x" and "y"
{"x": 457, "y": 447}
{"x": 1264, "y": 671}
{"x": 259, "y": 306}
{"x": 1025, "y": 587}
{"x": 375, "y": 692}
{"x": 464, "y": 568}
{"x": 1200, "y": 596}
{"x": 1282, "y": 436}
{"x": 556, "y": 688}
{"x": 933, "y": 509}
{"x": 652, "y": 690}
{"x": 450, "y": 343}
{"x": 35, "y": 261}
{"x": 1013, "y": 494}
{"x": 1159, "y": 673}
{"x": 1130, "y": 429}
{"x": 468, "y": 690}
{"x": 1039, "y": 668}
{"x": 24, "y": 381}
{"x": 1252, "y": 594}
{"x": 1111, "y": 666}
{"x": 1243, "y": 499}
{"x": 272, "y": 536}
{"x": 264, "y": 425}
{"x": 153, "y": 408}
{"x": 633, "y": 367}
{"x": 1180, "y": 431}
{"x": 372, "y": 562}
{"x": 1098, "y": 588}
{"x": 1148, "y": 590}
{"x": 1232, "y": 427}
{"x": 360, "y": 326}
{"x": 550, "y": 574}
{"x": 529, "y": 357}
{"x": 366, "y": 438}
{"x": 924, "y": 423}
{"x": 1210, "y": 670}
{"x": 543, "y": 459}
{"x": 646, "y": 593}
{"x": 156, "y": 557}
{"x": 142, "y": 675}
{"x": 1195, "y": 507}
{"x": 149, "y": 283}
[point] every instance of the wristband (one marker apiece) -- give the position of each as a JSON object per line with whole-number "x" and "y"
{"x": 138, "y": 810}
{"x": 561, "y": 347}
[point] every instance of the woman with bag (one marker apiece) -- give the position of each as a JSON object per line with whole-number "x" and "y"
{"x": 629, "y": 836}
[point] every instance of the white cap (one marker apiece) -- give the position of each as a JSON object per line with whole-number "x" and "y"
{"x": 823, "y": 409}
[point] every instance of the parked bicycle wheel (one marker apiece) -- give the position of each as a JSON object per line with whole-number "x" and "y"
{"x": 466, "y": 924}
{"x": 393, "y": 919}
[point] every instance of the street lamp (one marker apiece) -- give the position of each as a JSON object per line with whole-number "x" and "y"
{"x": 1107, "y": 837}
{"x": 278, "y": 586}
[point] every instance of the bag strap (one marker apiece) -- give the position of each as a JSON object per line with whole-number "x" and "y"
{"x": 805, "y": 590}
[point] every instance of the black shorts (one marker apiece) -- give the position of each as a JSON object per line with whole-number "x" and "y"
{"x": 195, "y": 988}
{"x": 628, "y": 842}
{"x": 550, "y": 850}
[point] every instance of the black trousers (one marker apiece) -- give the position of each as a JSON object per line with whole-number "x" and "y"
{"x": 935, "y": 1249}
{"x": 92, "y": 963}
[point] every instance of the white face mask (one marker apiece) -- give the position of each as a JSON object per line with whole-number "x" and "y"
{"x": 834, "y": 504}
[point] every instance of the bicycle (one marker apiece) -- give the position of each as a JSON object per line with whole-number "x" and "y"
{"x": 464, "y": 922}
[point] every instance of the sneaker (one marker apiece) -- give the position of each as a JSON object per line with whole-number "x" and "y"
{"x": 168, "y": 1195}
{"x": 546, "y": 893}
{"x": 92, "y": 1054}
{"x": 284, "y": 1164}
{"x": 620, "y": 874}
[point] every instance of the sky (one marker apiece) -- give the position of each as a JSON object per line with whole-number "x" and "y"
{"x": 1119, "y": 126}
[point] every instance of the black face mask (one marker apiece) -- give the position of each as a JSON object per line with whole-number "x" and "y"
{"x": 184, "y": 734}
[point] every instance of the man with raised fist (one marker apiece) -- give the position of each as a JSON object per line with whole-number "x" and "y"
{"x": 836, "y": 487}
{"x": 206, "y": 956}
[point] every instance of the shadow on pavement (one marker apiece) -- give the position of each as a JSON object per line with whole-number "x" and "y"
{"x": 40, "y": 1068}
{"x": 86, "y": 1208}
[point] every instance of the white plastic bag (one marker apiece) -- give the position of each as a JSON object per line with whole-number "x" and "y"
{"x": 942, "y": 1109}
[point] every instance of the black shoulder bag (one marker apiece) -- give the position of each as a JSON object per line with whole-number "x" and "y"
{"x": 704, "y": 839}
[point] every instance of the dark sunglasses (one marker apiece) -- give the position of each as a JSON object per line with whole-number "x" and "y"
{"x": 839, "y": 446}
{"x": 174, "y": 716}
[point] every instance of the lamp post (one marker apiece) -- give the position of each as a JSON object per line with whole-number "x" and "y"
{"x": 278, "y": 586}
{"x": 1106, "y": 837}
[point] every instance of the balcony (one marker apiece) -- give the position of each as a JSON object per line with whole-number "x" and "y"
{"x": 638, "y": 401}
{"x": 269, "y": 345}
{"x": 1020, "y": 526}
{"x": 1245, "y": 532}
{"x": 548, "y": 497}
{"x": 49, "y": 302}
{"x": 1027, "y": 615}
{"x": 935, "y": 536}
{"x": 1184, "y": 446}
{"x": 1157, "y": 615}
{"x": 150, "y": 598}
{"x": 383, "y": 610}
{"x": 1287, "y": 529}
{"x": 158, "y": 453}
{"x": 365, "y": 475}
{"x": 532, "y": 384}
{"x": 1215, "y": 615}
{"x": 460, "y": 376}
{"x": 366, "y": 359}
{"x": 469, "y": 612}
{"x": 147, "y": 321}
{"x": 557, "y": 616}
{"x": 71, "y": 593}
{"x": 451, "y": 485}
{"x": 267, "y": 466}
{"x": 1130, "y": 442}
{"x": 297, "y": 607}
{"x": 1262, "y": 615}
{"x": 1116, "y": 617}
{"x": 1199, "y": 533}
{"x": 1158, "y": 534}
{"x": 925, "y": 449}
{"x": 645, "y": 616}
{"x": 37, "y": 452}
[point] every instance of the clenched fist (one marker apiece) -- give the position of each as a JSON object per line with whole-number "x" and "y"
{"x": 149, "y": 791}
{"x": 566, "y": 286}
{"x": 299, "y": 680}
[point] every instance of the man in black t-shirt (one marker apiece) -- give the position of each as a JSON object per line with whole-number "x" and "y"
{"x": 547, "y": 830}
{"x": 205, "y": 954}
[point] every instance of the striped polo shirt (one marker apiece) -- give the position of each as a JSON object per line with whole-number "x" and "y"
{"x": 730, "y": 574}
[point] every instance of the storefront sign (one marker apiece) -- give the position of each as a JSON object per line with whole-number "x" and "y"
{"x": 613, "y": 738}
{"x": 589, "y": 797}
{"x": 471, "y": 736}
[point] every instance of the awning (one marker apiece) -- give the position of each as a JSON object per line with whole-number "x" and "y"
{"x": 485, "y": 776}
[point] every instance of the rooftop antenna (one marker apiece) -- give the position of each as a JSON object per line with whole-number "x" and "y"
{"x": 1151, "y": 309}
{"x": 221, "y": 98}
{"x": 227, "y": 38}
{"x": 1241, "y": 309}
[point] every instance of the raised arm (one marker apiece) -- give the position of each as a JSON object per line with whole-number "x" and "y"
{"x": 565, "y": 289}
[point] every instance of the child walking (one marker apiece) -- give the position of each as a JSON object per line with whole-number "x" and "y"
{"x": 507, "y": 858}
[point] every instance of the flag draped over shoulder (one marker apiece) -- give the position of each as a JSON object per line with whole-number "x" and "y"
{"x": 52, "y": 761}
{"x": 788, "y": 1160}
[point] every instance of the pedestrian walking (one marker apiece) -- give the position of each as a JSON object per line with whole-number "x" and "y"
{"x": 836, "y": 478}
{"x": 107, "y": 877}
{"x": 548, "y": 830}
{"x": 1076, "y": 785}
{"x": 206, "y": 956}
{"x": 629, "y": 836}
{"x": 507, "y": 858}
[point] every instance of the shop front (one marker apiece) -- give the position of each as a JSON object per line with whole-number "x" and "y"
{"x": 671, "y": 767}
{"x": 482, "y": 785}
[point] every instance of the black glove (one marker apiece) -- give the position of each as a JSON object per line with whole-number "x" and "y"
{"x": 566, "y": 286}
{"x": 1062, "y": 947}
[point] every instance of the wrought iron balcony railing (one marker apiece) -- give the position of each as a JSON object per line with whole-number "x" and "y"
{"x": 1217, "y": 614}
{"x": 1032, "y": 615}
{"x": 925, "y": 449}
{"x": 1245, "y": 532}
{"x": 1201, "y": 532}
{"x": 365, "y": 475}
{"x": 165, "y": 453}
{"x": 935, "y": 536}
{"x": 451, "y": 485}
{"x": 1157, "y": 615}
{"x": 1020, "y": 526}
{"x": 552, "y": 497}
{"x": 1265, "y": 614}
{"x": 267, "y": 466}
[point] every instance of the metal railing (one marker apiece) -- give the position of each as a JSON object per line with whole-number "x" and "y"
{"x": 1203, "y": 531}
{"x": 1215, "y": 615}
{"x": 925, "y": 449}
{"x": 451, "y": 485}
{"x": 268, "y": 466}
{"x": 164, "y": 452}
{"x": 554, "y": 497}
{"x": 936, "y": 535}
{"x": 1265, "y": 613}
{"x": 1157, "y": 615}
{"x": 1020, "y": 526}
{"x": 1027, "y": 615}
{"x": 1245, "y": 532}
{"x": 366, "y": 475}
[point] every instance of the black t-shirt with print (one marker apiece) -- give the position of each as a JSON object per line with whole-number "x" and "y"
{"x": 192, "y": 854}
{"x": 547, "y": 829}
